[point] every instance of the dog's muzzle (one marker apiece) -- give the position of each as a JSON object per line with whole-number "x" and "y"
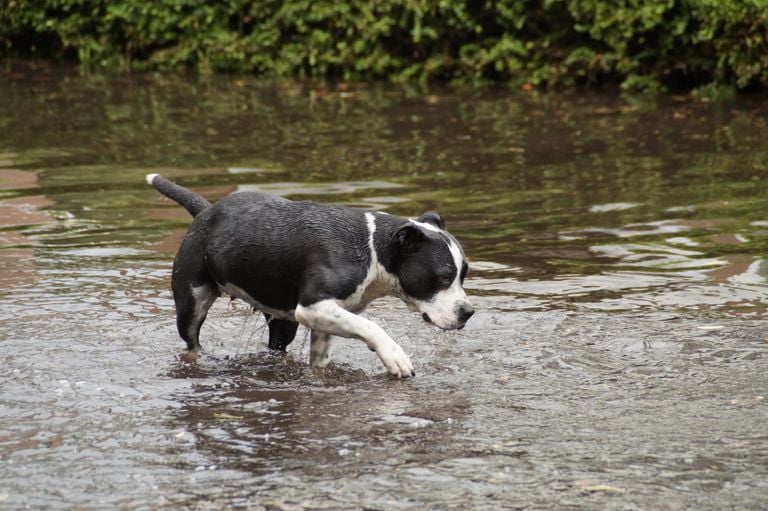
{"x": 464, "y": 313}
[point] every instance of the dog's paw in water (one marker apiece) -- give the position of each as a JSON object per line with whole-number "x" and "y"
{"x": 396, "y": 361}
{"x": 189, "y": 357}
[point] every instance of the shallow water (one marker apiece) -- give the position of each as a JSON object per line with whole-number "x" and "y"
{"x": 617, "y": 246}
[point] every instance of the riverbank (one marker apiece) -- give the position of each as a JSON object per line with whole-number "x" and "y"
{"x": 714, "y": 48}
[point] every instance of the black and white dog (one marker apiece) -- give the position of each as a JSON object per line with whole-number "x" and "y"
{"x": 316, "y": 265}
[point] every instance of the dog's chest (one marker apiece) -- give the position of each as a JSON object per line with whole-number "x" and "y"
{"x": 377, "y": 283}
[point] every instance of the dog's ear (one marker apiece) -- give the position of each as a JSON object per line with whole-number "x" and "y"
{"x": 409, "y": 237}
{"x": 434, "y": 218}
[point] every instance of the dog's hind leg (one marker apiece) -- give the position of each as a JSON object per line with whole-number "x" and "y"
{"x": 319, "y": 349}
{"x": 192, "y": 309}
{"x": 281, "y": 332}
{"x": 194, "y": 289}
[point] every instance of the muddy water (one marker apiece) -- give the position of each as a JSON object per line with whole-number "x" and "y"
{"x": 618, "y": 359}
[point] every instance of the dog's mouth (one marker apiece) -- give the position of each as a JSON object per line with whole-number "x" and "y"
{"x": 426, "y": 318}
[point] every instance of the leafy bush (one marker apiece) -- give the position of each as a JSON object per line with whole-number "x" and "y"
{"x": 640, "y": 44}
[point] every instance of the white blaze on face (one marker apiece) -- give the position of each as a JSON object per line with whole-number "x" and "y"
{"x": 444, "y": 307}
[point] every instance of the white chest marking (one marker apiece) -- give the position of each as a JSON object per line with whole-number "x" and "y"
{"x": 377, "y": 282}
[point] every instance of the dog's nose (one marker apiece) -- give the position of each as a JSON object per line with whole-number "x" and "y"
{"x": 465, "y": 312}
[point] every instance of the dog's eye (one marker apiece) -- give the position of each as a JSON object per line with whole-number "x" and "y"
{"x": 445, "y": 280}
{"x": 464, "y": 269}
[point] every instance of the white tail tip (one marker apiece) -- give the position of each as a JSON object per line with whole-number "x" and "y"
{"x": 151, "y": 177}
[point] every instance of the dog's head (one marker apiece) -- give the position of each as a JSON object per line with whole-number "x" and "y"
{"x": 430, "y": 266}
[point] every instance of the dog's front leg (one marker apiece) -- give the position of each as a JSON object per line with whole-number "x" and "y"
{"x": 328, "y": 317}
{"x": 319, "y": 349}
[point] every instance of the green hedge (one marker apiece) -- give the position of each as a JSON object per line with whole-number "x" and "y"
{"x": 640, "y": 44}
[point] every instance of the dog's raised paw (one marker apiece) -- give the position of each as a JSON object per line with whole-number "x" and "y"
{"x": 396, "y": 361}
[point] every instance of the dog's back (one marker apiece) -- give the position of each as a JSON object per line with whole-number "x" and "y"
{"x": 266, "y": 245}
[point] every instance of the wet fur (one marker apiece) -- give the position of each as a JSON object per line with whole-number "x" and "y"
{"x": 313, "y": 264}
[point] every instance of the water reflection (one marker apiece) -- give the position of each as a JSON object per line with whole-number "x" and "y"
{"x": 17, "y": 256}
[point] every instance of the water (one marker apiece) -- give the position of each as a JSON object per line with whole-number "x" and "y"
{"x": 617, "y": 246}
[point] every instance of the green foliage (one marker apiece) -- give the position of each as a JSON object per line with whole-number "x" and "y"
{"x": 640, "y": 44}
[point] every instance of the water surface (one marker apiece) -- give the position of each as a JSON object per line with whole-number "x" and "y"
{"x": 617, "y": 249}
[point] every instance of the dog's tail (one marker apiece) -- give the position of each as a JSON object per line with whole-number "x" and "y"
{"x": 191, "y": 201}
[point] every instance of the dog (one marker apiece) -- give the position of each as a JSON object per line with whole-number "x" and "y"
{"x": 300, "y": 262}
